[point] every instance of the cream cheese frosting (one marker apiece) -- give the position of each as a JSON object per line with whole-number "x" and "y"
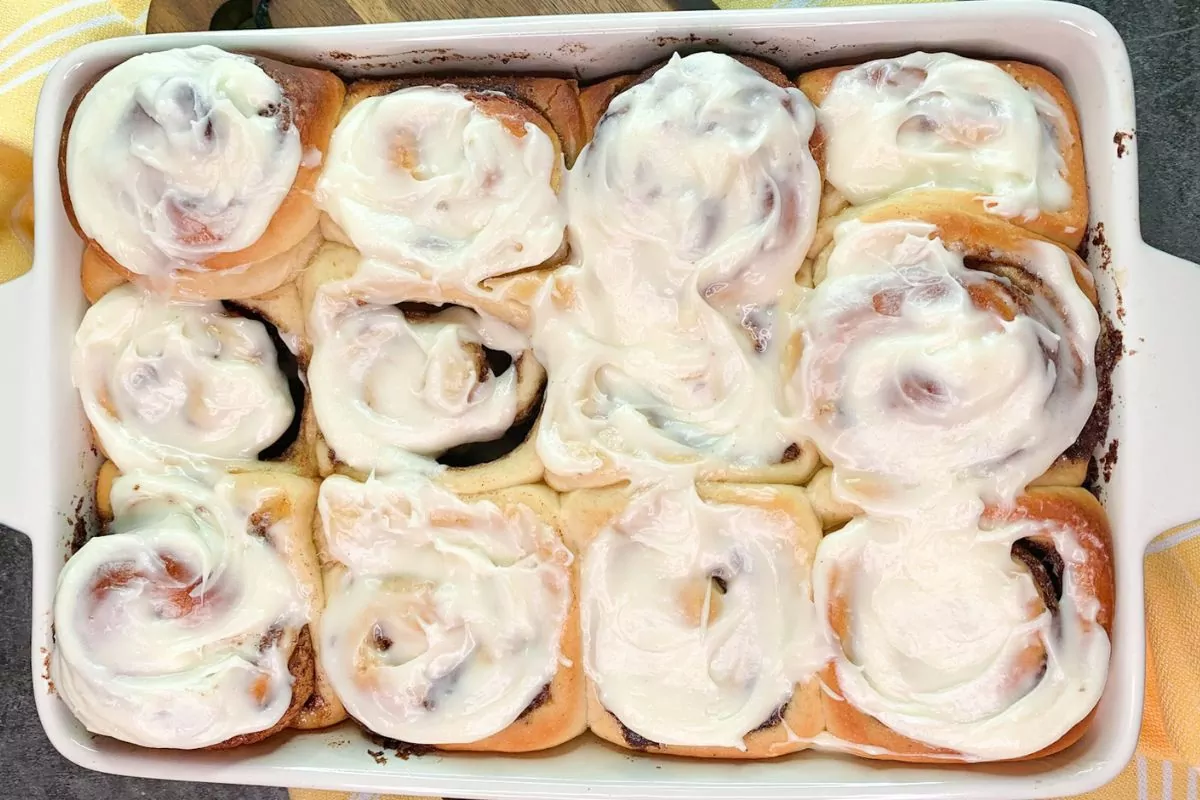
{"x": 176, "y": 156}
{"x": 445, "y": 621}
{"x": 948, "y": 641}
{"x": 425, "y": 180}
{"x": 690, "y": 215}
{"x": 175, "y": 630}
{"x": 174, "y": 382}
{"x": 392, "y": 393}
{"x": 941, "y": 120}
{"x": 916, "y": 395}
{"x": 697, "y": 617}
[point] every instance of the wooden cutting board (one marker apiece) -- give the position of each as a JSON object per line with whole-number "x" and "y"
{"x": 196, "y": 15}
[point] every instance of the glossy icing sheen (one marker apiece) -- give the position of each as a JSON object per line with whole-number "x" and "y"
{"x": 690, "y": 214}
{"x": 944, "y": 121}
{"x": 919, "y": 397}
{"x": 445, "y": 623}
{"x": 947, "y": 634}
{"x": 175, "y": 630}
{"x": 423, "y": 179}
{"x": 176, "y": 156}
{"x": 697, "y": 618}
{"x": 390, "y": 393}
{"x": 177, "y": 382}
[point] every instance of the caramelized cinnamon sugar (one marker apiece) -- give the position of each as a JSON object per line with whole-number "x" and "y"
{"x": 402, "y": 750}
{"x": 636, "y": 740}
{"x": 1045, "y": 565}
{"x": 773, "y": 720}
{"x": 1109, "y": 349}
{"x": 537, "y": 702}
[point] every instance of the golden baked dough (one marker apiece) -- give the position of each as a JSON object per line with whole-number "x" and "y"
{"x": 556, "y": 715}
{"x": 519, "y": 465}
{"x": 315, "y": 98}
{"x": 1066, "y": 227}
{"x": 588, "y": 512}
{"x": 1072, "y": 507}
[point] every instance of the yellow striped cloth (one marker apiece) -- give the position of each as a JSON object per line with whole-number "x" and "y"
{"x": 35, "y": 33}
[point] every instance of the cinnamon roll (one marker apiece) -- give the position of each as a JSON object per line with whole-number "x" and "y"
{"x": 469, "y": 207}
{"x": 191, "y": 170}
{"x": 699, "y": 631}
{"x": 691, "y": 212}
{"x": 186, "y": 625}
{"x": 398, "y": 385}
{"x": 981, "y": 640}
{"x": 192, "y": 384}
{"x": 999, "y": 137}
{"x": 945, "y": 355}
{"x": 451, "y": 621}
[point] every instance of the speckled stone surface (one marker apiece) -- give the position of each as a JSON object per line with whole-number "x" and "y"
{"x": 1163, "y": 37}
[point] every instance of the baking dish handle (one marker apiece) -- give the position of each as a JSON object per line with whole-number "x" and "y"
{"x": 19, "y": 357}
{"x": 1162, "y": 360}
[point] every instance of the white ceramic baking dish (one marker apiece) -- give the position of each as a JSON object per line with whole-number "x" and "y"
{"x": 1151, "y": 296}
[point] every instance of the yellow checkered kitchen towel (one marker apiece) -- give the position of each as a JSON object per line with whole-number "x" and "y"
{"x": 35, "y": 33}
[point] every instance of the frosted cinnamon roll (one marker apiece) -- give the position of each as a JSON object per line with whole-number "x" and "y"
{"x": 187, "y": 384}
{"x": 946, "y": 357}
{"x": 699, "y": 632}
{"x": 454, "y": 185}
{"x": 1002, "y": 136}
{"x": 398, "y": 385}
{"x": 451, "y": 621}
{"x": 197, "y": 162}
{"x": 975, "y": 641}
{"x": 691, "y": 212}
{"x": 186, "y": 626}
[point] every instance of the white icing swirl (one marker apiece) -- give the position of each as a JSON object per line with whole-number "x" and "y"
{"x": 924, "y": 381}
{"x": 390, "y": 393}
{"x": 176, "y": 156}
{"x": 175, "y": 630}
{"x": 445, "y": 623}
{"x": 424, "y": 179}
{"x": 691, "y": 212}
{"x": 177, "y": 382}
{"x": 944, "y": 121}
{"x": 697, "y": 617}
{"x": 947, "y": 634}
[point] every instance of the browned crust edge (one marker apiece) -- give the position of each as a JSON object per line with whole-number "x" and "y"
{"x": 1066, "y": 227}
{"x": 1074, "y": 508}
{"x": 315, "y": 98}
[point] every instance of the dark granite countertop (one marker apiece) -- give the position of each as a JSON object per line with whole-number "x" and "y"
{"x": 1164, "y": 43}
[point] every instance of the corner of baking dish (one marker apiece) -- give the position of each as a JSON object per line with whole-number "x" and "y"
{"x": 1146, "y": 294}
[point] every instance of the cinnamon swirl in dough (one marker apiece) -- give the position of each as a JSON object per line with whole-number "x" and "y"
{"x": 700, "y": 635}
{"x": 945, "y": 355}
{"x": 998, "y": 137}
{"x": 186, "y": 626}
{"x": 980, "y": 640}
{"x": 196, "y": 165}
{"x": 401, "y": 386}
{"x": 452, "y": 189}
{"x": 191, "y": 384}
{"x": 451, "y": 621}
{"x": 691, "y": 211}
